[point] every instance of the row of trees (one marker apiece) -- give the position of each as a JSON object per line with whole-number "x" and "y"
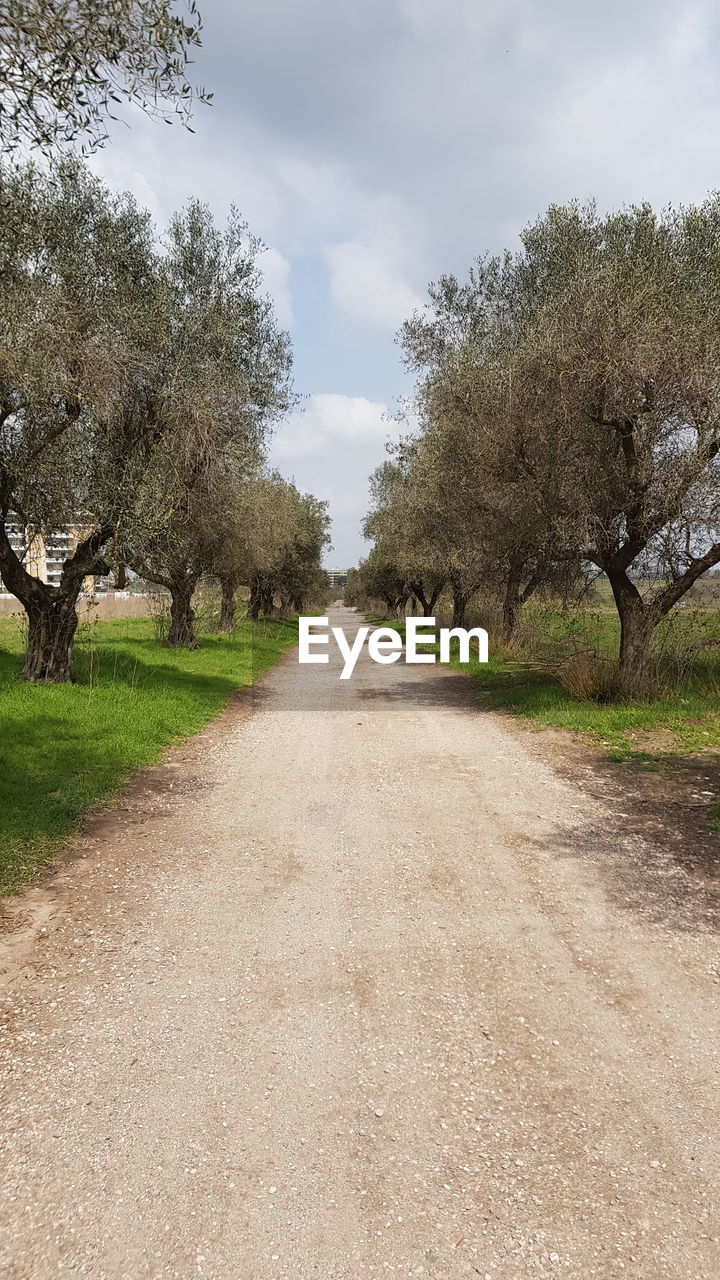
{"x": 139, "y": 382}
{"x": 568, "y": 399}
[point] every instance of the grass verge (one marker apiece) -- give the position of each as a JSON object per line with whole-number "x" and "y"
{"x": 642, "y": 732}
{"x": 63, "y": 748}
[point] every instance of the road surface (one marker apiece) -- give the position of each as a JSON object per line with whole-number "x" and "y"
{"x": 350, "y": 991}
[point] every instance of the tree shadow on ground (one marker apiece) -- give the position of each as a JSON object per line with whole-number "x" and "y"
{"x": 654, "y": 877}
{"x": 532, "y": 690}
{"x": 654, "y": 852}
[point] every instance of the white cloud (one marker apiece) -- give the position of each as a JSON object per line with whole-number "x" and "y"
{"x": 330, "y": 449}
{"x": 121, "y": 170}
{"x": 367, "y": 288}
{"x": 276, "y": 274}
{"x": 331, "y": 420}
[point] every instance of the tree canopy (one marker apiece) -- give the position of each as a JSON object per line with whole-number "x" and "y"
{"x": 139, "y": 382}
{"x": 568, "y": 396}
{"x": 68, "y": 65}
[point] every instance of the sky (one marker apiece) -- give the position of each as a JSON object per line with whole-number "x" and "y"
{"x": 375, "y": 145}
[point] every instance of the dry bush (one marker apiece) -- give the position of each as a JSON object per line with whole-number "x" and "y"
{"x": 525, "y": 645}
{"x": 590, "y": 678}
{"x": 529, "y": 634}
{"x": 206, "y": 609}
{"x": 679, "y": 646}
{"x": 158, "y": 603}
{"x": 712, "y": 686}
{"x": 485, "y": 611}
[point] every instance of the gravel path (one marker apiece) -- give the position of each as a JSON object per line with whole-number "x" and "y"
{"x": 352, "y": 999}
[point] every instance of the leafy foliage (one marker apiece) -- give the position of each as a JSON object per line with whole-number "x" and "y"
{"x": 569, "y": 405}
{"x": 67, "y": 66}
{"x": 139, "y": 383}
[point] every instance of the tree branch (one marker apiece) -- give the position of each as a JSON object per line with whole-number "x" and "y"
{"x": 148, "y": 575}
{"x": 665, "y": 599}
{"x": 86, "y": 559}
{"x": 22, "y": 584}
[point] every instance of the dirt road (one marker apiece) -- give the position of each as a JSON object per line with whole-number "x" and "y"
{"x": 356, "y": 993}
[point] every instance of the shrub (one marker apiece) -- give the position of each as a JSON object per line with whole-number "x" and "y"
{"x": 590, "y": 677}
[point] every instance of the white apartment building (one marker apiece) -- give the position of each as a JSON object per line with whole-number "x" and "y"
{"x": 44, "y": 557}
{"x": 338, "y": 577}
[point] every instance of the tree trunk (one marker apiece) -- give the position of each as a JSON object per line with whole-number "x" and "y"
{"x": 52, "y": 621}
{"x": 511, "y": 605}
{"x": 461, "y": 598}
{"x": 425, "y": 602}
{"x": 635, "y": 648}
{"x": 182, "y": 632}
{"x": 460, "y": 604}
{"x": 637, "y": 623}
{"x": 516, "y": 596}
{"x": 227, "y": 605}
{"x": 51, "y": 611}
{"x": 510, "y": 614}
{"x": 254, "y": 601}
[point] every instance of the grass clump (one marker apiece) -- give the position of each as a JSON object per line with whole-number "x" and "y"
{"x": 63, "y": 748}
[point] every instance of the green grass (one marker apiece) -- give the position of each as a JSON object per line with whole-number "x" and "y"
{"x": 683, "y": 722}
{"x": 63, "y": 748}
{"x": 686, "y": 722}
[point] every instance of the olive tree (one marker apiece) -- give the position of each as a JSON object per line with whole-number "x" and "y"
{"x": 301, "y": 579}
{"x": 226, "y": 379}
{"x": 573, "y": 389}
{"x": 67, "y": 65}
{"x": 80, "y": 298}
{"x": 623, "y": 355}
{"x": 401, "y": 522}
{"x": 293, "y": 572}
{"x": 378, "y": 578}
{"x": 481, "y": 495}
{"x": 251, "y": 540}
